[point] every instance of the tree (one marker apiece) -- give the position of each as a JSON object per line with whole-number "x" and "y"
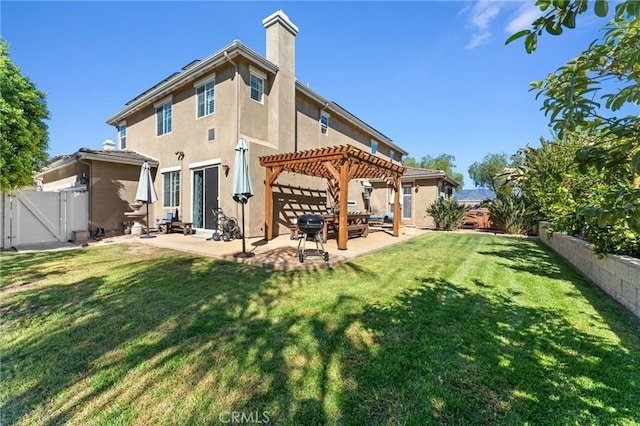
{"x": 23, "y": 131}
{"x": 486, "y": 172}
{"x": 444, "y": 162}
{"x": 551, "y": 182}
{"x": 587, "y": 94}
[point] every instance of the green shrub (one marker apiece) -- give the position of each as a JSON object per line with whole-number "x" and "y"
{"x": 447, "y": 214}
{"x": 512, "y": 214}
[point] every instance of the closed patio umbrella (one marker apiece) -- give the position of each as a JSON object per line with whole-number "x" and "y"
{"x": 242, "y": 189}
{"x": 146, "y": 192}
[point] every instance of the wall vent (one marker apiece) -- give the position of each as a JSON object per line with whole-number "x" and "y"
{"x": 211, "y": 134}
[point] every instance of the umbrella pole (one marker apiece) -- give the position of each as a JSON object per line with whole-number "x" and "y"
{"x": 243, "y": 243}
{"x": 148, "y": 199}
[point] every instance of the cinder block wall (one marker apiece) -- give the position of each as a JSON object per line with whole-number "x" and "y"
{"x": 618, "y": 276}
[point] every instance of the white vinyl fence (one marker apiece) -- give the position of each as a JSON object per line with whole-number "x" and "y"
{"x": 31, "y": 217}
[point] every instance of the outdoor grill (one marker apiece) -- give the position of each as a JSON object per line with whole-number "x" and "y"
{"x": 311, "y": 225}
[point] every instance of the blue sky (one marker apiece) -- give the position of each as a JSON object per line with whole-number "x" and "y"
{"x": 434, "y": 76}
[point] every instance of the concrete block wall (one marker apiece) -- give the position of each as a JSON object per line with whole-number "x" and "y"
{"x": 618, "y": 276}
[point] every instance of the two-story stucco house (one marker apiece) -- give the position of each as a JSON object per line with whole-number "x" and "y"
{"x": 188, "y": 125}
{"x": 191, "y": 122}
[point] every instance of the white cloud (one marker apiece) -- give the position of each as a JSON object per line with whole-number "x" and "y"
{"x": 483, "y": 13}
{"x": 522, "y": 19}
{"x": 478, "y": 40}
{"x": 481, "y": 17}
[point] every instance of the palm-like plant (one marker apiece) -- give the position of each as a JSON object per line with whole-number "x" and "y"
{"x": 512, "y": 214}
{"x": 447, "y": 214}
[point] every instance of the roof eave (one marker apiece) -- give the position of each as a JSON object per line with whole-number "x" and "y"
{"x": 56, "y": 165}
{"x": 94, "y": 156}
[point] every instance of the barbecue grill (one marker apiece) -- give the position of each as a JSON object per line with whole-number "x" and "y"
{"x": 311, "y": 225}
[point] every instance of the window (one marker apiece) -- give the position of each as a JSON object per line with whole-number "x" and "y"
{"x": 392, "y": 155}
{"x": 374, "y": 147}
{"x": 122, "y": 135}
{"x": 205, "y": 99}
{"x": 324, "y": 123}
{"x": 257, "y": 88}
{"x": 171, "y": 189}
{"x": 163, "y": 118}
{"x": 406, "y": 201}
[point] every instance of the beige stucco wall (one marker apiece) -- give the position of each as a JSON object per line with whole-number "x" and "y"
{"x": 427, "y": 192}
{"x": 189, "y": 135}
{"x": 64, "y": 177}
{"x": 113, "y": 188}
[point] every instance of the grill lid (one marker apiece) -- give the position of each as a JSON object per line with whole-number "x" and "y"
{"x": 310, "y": 223}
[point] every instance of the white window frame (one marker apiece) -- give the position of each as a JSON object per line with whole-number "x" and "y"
{"x": 374, "y": 147}
{"x": 166, "y": 106}
{"x": 174, "y": 197}
{"x": 407, "y": 192}
{"x": 324, "y": 128}
{"x": 122, "y": 135}
{"x": 208, "y": 82}
{"x": 258, "y": 76}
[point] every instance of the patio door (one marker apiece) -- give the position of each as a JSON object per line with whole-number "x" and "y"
{"x": 205, "y": 196}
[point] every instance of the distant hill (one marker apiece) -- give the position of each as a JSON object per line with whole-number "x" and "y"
{"x": 478, "y": 194}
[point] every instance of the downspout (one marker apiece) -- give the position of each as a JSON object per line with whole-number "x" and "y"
{"x": 237, "y": 73}
{"x": 235, "y": 77}
{"x": 90, "y": 190}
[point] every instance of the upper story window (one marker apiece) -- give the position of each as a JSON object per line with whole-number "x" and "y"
{"x": 163, "y": 117}
{"x": 256, "y": 80}
{"x": 392, "y": 155}
{"x": 257, "y": 88}
{"x": 374, "y": 147}
{"x": 205, "y": 97}
{"x": 122, "y": 135}
{"x": 324, "y": 123}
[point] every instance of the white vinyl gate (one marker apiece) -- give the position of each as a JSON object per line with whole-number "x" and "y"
{"x": 31, "y": 217}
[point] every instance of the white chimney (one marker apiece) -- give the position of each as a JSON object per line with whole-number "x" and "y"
{"x": 108, "y": 145}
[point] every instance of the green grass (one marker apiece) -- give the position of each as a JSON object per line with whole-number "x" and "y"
{"x": 443, "y": 329}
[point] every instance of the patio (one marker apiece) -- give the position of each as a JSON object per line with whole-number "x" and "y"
{"x": 279, "y": 253}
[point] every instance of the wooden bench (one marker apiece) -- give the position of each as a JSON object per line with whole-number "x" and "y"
{"x": 357, "y": 225}
{"x": 185, "y": 227}
{"x": 358, "y": 230}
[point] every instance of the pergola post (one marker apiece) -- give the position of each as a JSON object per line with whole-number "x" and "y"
{"x": 269, "y": 180}
{"x": 396, "y": 207}
{"x": 343, "y": 232}
{"x": 268, "y": 206}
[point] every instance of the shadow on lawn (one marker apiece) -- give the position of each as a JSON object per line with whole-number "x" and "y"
{"x": 86, "y": 320}
{"x": 451, "y": 356}
{"x": 196, "y": 339}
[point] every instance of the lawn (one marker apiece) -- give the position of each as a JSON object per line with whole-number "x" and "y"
{"x": 443, "y": 329}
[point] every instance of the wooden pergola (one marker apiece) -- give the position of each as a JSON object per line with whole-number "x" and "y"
{"x": 339, "y": 165}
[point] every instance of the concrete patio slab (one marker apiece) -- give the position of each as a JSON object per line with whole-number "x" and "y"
{"x": 281, "y": 253}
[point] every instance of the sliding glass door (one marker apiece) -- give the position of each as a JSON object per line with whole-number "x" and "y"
{"x": 205, "y": 196}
